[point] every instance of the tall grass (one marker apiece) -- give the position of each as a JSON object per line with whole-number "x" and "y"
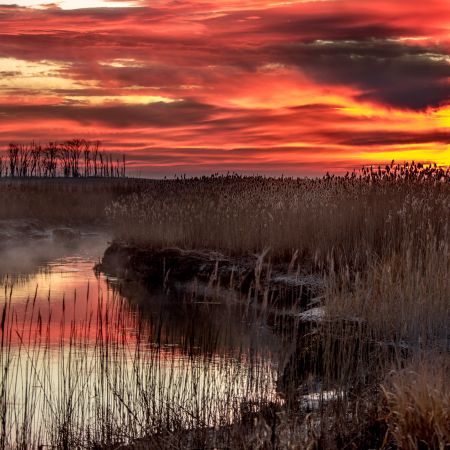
{"x": 418, "y": 406}
{"x": 380, "y": 240}
{"x": 63, "y": 201}
{"x": 368, "y": 372}
{"x": 350, "y": 216}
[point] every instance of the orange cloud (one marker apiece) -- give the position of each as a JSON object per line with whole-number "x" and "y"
{"x": 294, "y": 87}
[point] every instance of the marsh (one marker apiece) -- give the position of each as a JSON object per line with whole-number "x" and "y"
{"x": 226, "y": 312}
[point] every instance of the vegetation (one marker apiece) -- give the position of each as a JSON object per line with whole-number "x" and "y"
{"x": 351, "y": 218}
{"x": 74, "y": 158}
{"x": 367, "y": 368}
{"x": 379, "y": 238}
{"x": 64, "y": 201}
{"x": 118, "y": 375}
{"x": 418, "y": 407}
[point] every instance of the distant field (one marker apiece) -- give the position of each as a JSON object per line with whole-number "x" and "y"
{"x": 63, "y": 200}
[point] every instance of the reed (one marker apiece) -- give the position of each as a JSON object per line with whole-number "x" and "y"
{"x": 349, "y": 217}
{"x": 115, "y": 377}
{"x": 65, "y": 201}
{"x": 369, "y": 372}
{"x": 418, "y": 405}
{"x": 379, "y": 237}
{"x": 121, "y": 378}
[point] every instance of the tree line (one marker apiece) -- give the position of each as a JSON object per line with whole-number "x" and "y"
{"x": 74, "y": 158}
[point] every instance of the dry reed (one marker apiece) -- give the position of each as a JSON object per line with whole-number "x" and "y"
{"x": 347, "y": 380}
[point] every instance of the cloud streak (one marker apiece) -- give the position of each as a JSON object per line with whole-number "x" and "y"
{"x": 308, "y": 85}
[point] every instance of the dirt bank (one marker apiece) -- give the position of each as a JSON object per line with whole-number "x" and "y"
{"x": 250, "y": 276}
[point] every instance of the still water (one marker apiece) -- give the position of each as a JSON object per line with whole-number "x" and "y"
{"x": 88, "y": 359}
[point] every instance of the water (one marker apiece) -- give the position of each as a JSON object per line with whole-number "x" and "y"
{"x": 91, "y": 359}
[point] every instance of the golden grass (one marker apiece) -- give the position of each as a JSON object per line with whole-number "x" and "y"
{"x": 79, "y": 201}
{"x": 418, "y": 406}
{"x": 381, "y": 241}
{"x": 351, "y": 218}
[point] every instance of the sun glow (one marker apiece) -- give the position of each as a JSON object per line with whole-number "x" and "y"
{"x": 118, "y": 99}
{"x": 71, "y": 4}
{"x": 36, "y": 76}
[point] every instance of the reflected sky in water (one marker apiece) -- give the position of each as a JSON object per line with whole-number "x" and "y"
{"x": 71, "y": 332}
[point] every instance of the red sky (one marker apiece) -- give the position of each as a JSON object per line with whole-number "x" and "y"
{"x": 183, "y": 86}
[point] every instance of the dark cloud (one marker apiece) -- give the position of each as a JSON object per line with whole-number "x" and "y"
{"x": 348, "y": 46}
{"x": 120, "y": 116}
{"x": 388, "y": 72}
{"x": 307, "y": 25}
{"x": 381, "y": 138}
{"x": 9, "y": 73}
{"x": 143, "y": 75}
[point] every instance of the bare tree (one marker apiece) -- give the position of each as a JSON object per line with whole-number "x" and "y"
{"x": 75, "y": 148}
{"x": 23, "y": 160}
{"x": 65, "y": 159}
{"x": 95, "y": 157}
{"x": 74, "y": 158}
{"x": 123, "y": 166}
{"x": 50, "y": 162}
{"x": 35, "y": 159}
{"x": 13, "y": 156}
{"x": 87, "y": 158}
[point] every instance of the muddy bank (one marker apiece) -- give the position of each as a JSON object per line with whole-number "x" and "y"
{"x": 250, "y": 276}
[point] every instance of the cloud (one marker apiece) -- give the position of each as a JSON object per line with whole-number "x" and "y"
{"x": 387, "y": 72}
{"x": 381, "y": 138}
{"x": 256, "y": 79}
{"x": 158, "y": 115}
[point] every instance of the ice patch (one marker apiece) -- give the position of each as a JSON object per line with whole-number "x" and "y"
{"x": 313, "y": 314}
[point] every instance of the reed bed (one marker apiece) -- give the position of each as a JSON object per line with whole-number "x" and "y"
{"x": 368, "y": 372}
{"x": 379, "y": 238}
{"x": 418, "y": 405}
{"x": 63, "y": 201}
{"x": 351, "y": 217}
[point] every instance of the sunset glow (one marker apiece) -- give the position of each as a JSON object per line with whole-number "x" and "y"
{"x": 295, "y": 87}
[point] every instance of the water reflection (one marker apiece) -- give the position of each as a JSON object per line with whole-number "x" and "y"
{"x": 88, "y": 358}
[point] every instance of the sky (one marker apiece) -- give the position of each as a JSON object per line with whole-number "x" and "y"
{"x": 255, "y": 86}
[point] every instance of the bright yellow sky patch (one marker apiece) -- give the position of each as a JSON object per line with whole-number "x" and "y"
{"x": 70, "y": 4}
{"x": 35, "y": 76}
{"x": 416, "y": 152}
{"x": 443, "y": 117}
{"x": 114, "y": 99}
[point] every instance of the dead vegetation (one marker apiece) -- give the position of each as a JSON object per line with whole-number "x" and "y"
{"x": 63, "y": 201}
{"x": 74, "y": 158}
{"x": 417, "y": 402}
{"x": 369, "y": 370}
{"x": 380, "y": 238}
